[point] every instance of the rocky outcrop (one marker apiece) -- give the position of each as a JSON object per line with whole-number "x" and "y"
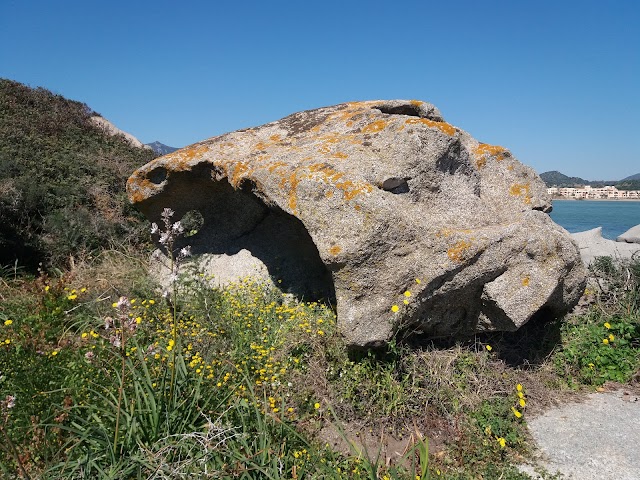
{"x": 405, "y": 221}
{"x": 630, "y": 236}
{"x": 592, "y": 244}
{"x": 110, "y": 129}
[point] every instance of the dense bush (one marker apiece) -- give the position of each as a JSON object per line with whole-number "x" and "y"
{"x": 61, "y": 179}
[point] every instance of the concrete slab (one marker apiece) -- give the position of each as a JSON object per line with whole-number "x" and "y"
{"x": 598, "y": 439}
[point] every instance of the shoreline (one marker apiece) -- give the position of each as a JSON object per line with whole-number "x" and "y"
{"x": 596, "y": 199}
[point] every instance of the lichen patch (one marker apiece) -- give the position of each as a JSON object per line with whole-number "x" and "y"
{"x": 521, "y": 190}
{"x": 485, "y": 151}
{"x": 457, "y": 252}
{"x": 444, "y": 127}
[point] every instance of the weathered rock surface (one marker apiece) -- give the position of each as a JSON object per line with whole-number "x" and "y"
{"x": 592, "y": 244}
{"x": 110, "y": 129}
{"x": 367, "y": 201}
{"x": 630, "y": 236}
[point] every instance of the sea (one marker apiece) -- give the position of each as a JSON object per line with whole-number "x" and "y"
{"x": 614, "y": 216}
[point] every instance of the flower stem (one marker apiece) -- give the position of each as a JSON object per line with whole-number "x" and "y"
{"x": 123, "y": 354}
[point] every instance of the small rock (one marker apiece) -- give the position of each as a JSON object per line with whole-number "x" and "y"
{"x": 630, "y": 236}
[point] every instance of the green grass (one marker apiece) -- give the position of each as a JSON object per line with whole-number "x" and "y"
{"x": 243, "y": 383}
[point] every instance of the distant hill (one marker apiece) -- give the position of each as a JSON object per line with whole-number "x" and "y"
{"x": 557, "y": 179}
{"x": 161, "y": 148}
{"x": 62, "y": 179}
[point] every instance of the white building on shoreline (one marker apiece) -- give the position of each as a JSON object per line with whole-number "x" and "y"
{"x": 588, "y": 192}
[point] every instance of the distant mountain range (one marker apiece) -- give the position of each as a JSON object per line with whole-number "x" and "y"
{"x": 161, "y": 148}
{"x": 557, "y": 179}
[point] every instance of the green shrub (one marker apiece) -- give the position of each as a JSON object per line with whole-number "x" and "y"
{"x": 61, "y": 180}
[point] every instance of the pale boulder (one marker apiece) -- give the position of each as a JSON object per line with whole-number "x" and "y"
{"x": 402, "y": 220}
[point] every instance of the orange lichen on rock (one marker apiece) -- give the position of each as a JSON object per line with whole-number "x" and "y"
{"x": 350, "y": 189}
{"x": 525, "y": 281}
{"x": 241, "y": 168}
{"x": 329, "y": 174}
{"x": 293, "y": 192}
{"x": 179, "y": 161}
{"x": 335, "y": 250}
{"x": 483, "y": 150}
{"x": 416, "y": 103}
{"x": 275, "y": 165}
{"x": 375, "y": 127}
{"x": 274, "y": 138}
{"x": 340, "y": 155}
{"x": 138, "y": 188}
{"x": 444, "y": 127}
{"x": 521, "y": 190}
{"x": 457, "y": 252}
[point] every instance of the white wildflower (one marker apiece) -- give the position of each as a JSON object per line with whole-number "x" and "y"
{"x": 177, "y": 227}
{"x": 164, "y": 238}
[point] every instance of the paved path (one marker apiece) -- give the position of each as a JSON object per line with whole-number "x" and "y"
{"x": 598, "y": 439}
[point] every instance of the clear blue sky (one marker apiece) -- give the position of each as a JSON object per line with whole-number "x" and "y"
{"x": 557, "y": 82}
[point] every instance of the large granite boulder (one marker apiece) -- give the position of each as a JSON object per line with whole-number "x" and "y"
{"x": 405, "y": 221}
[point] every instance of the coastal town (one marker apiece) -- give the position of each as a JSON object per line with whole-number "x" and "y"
{"x": 590, "y": 193}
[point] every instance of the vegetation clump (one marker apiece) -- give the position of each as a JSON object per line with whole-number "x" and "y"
{"x": 114, "y": 380}
{"x": 61, "y": 180}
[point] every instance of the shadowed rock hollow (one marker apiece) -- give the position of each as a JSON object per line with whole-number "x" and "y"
{"x": 363, "y": 202}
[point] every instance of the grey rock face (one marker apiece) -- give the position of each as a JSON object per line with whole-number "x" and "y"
{"x": 402, "y": 219}
{"x": 592, "y": 244}
{"x": 630, "y": 236}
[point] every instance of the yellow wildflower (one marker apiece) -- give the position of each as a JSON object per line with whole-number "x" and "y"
{"x": 517, "y": 413}
{"x": 607, "y": 325}
{"x": 611, "y": 337}
{"x": 519, "y": 387}
{"x": 395, "y": 308}
{"x": 605, "y": 341}
{"x": 488, "y": 347}
{"x": 316, "y": 405}
{"x": 522, "y": 402}
{"x": 8, "y": 322}
{"x": 46, "y": 289}
{"x": 501, "y": 441}
{"x": 418, "y": 281}
{"x": 72, "y": 296}
{"x": 407, "y": 293}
